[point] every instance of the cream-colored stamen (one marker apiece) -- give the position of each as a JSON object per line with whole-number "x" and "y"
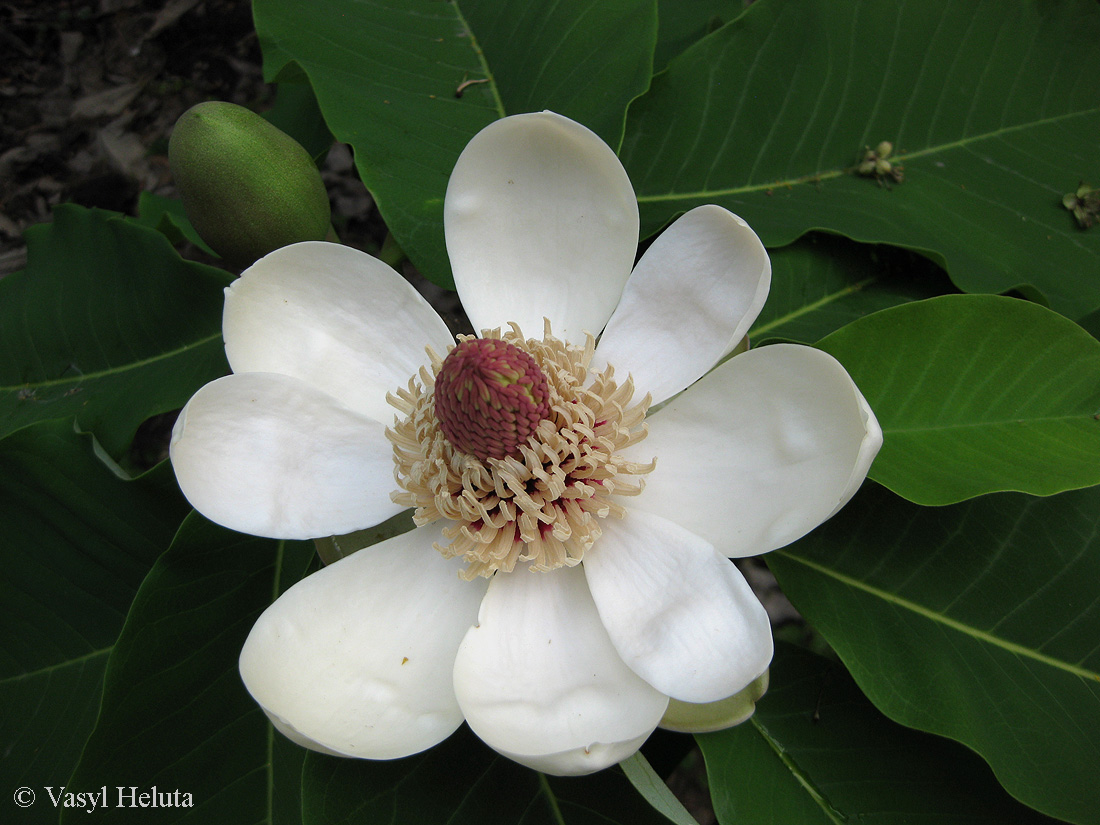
{"x": 543, "y": 505}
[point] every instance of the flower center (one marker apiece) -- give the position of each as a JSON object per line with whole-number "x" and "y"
{"x": 489, "y": 397}
{"x": 518, "y": 444}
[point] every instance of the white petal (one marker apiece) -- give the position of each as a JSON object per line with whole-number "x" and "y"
{"x": 580, "y": 761}
{"x": 679, "y": 613}
{"x": 294, "y": 736}
{"x": 692, "y": 298}
{"x": 539, "y": 680}
{"x": 356, "y": 659}
{"x": 541, "y": 221}
{"x": 760, "y": 451}
{"x": 268, "y": 455}
{"x": 867, "y": 452}
{"x": 334, "y": 317}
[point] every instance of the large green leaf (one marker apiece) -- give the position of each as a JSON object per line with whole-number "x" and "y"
{"x": 408, "y": 82}
{"x": 174, "y": 712}
{"x": 816, "y": 751}
{"x": 977, "y": 394}
{"x": 1091, "y": 324}
{"x": 585, "y": 59}
{"x": 296, "y": 112}
{"x": 76, "y": 540}
{"x": 167, "y": 216}
{"x": 462, "y": 782}
{"x": 821, "y": 282}
{"x": 977, "y": 621}
{"x": 995, "y": 107}
{"x": 683, "y": 22}
{"x": 108, "y": 324}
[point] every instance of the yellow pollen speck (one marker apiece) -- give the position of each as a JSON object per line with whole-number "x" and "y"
{"x": 543, "y": 505}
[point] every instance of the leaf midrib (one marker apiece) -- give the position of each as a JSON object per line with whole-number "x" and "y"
{"x": 812, "y": 307}
{"x": 797, "y": 772}
{"x": 830, "y": 174}
{"x": 114, "y": 371}
{"x": 497, "y": 101}
{"x": 888, "y": 429}
{"x": 76, "y": 660}
{"x": 946, "y": 621}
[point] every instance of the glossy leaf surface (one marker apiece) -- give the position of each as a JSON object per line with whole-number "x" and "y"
{"x": 977, "y": 394}
{"x": 108, "y": 324}
{"x": 683, "y": 22}
{"x": 992, "y": 109}
{"x": 174, "y": 711}
{"x": 76, "y": 540}
{"x": 821, "y": 282}
{"x": 817, "y": 751}
{"x": 977, "y": 621}
{"x": 166, "y": 215}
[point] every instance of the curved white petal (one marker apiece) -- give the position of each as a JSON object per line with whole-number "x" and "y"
{"x": 356, "y": 659}
{"x": 539, "y": 680}
{"x": 760, "y": 451}
{"x": 691, "y": 299}
{"x": 867, "y": 452}
{"x": 580, "y": 761}
{"x": 541, "y": 220}
{"x": 679, "y": 613}
{"x": 336, "y": 318}
{"x": 268, "y": 455}
{"x": 294, "y": 736}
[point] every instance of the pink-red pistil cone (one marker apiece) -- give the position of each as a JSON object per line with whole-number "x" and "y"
{"x": 489, "y": 397}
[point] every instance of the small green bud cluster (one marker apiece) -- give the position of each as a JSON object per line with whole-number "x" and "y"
{"x": 247, "y": 187}
{"x": 1084, "y": 204}
{"x": 875, "y": 163}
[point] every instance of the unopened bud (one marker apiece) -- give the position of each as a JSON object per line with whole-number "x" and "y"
{"x": 247, "y": 187}
{"x": 884, "y": 149}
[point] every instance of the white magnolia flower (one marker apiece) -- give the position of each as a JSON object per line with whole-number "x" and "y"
{"x": 628, "y": 522}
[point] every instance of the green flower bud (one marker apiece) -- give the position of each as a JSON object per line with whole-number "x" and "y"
{"x": 884, "y": 149}
{"x": 247, "y": 187}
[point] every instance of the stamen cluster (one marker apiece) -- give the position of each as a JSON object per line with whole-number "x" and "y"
{"x": 541, "y": 504}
